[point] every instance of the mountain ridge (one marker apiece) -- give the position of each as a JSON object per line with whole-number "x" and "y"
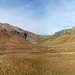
{"x": 15, "y": 35}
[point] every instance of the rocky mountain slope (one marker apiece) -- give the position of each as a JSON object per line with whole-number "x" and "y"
{"x": 12, "y": 37}
{"x": 13, "y": 34}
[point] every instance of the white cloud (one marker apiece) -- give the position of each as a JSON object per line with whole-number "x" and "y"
{"x": 59, "y": 17}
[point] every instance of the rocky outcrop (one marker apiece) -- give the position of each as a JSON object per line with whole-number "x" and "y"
{"x": 62, "y": 32}
{"x": 65, "y": 31}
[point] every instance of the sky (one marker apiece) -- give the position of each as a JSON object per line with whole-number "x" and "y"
{"x": 44, "y": 17}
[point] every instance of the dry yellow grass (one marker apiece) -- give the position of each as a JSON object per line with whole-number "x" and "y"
{"x": 37, "y": 60}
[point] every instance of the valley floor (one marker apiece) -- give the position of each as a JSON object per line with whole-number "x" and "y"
{"x": 36, "y": 61}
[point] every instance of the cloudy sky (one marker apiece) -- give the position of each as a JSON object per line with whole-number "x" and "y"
{"x": 39, "y": 16}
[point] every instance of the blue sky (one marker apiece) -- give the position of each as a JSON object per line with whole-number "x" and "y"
{"x": 38, "y": 16}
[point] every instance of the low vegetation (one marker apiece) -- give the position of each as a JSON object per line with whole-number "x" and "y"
{"x": 38, "y": 61}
